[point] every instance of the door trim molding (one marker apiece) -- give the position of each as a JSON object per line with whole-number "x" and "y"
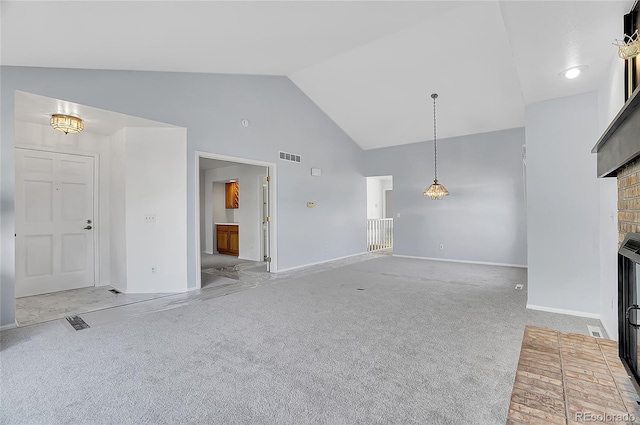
{"x": 273, "y": 206}
{"x": 96, "y": 197}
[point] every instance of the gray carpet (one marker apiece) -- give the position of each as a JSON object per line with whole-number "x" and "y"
{"x": 387, "y": 340}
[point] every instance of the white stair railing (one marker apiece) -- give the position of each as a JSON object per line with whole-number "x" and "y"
{"x": 379, "y": 234}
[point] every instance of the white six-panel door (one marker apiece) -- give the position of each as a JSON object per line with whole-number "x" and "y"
{"x": 54, "y": 222}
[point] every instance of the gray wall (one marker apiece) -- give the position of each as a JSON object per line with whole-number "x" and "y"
{"x": 563, "y": 196}
{"x": 610, "y": 100}
{"x": 484, "y": 217}
{"x": 211, "y": 107}
{"x": 118, "y": 211}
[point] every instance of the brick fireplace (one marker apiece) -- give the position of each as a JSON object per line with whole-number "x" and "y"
{"x": 628, "y": 199}
{"x": 618, "y": 155}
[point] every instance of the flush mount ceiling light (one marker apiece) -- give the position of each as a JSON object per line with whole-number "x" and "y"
{"x": 66, "y": 123}
{"x": 436, "y": 191}
{"x": 572, "y": 73}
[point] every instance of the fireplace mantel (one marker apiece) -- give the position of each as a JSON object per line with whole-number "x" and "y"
{"x": 620, "y": 143}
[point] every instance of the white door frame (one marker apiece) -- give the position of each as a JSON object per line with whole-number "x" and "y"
{"x": 261, "y": 182}
{"x": 273, "y": 206}
{"x": 96, "y": 197}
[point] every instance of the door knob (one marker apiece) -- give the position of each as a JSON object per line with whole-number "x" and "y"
{"x": 88, "y": 228}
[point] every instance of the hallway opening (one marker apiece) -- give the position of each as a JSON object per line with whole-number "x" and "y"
{"x": 380, "y": 213}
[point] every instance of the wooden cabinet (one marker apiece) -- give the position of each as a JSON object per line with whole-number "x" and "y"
{"x": 228, "y": 237}
{"x": 231, "y": 195}
{"x": 222, "y": 235}
{"x": 234, "y": 240}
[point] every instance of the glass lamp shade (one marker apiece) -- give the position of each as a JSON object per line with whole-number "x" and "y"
{"x": 436, "y": 191}
{"x": 66, "y": 123}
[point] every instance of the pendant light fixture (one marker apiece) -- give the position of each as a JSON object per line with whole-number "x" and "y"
{"x": 66, "y": 123}
{"x": 436, "y": 191}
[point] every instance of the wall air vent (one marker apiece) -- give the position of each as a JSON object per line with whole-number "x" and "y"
{"x": 595, "y": 331}
{"x": 285, "y": 156}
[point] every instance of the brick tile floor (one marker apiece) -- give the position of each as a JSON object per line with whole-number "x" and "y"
{"x": 571, "y": 379}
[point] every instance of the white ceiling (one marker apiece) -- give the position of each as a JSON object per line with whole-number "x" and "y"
{"x": 370, "y": 65}
{"x": 30, "y": 107}
{"x": 547, "y": 38}
{"x": 380, "y": 93}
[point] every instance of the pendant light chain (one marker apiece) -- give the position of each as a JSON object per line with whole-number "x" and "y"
{"x": 436, "y": 191}
{"x": 435, "y": 139}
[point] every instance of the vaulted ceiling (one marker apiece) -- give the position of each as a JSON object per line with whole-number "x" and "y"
{"x": 369, "y": 65}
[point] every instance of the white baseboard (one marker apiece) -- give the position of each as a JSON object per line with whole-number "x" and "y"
{"x": 7, "y": 327}
{"x": 563, "y": 311}
{"x": 449, "y": 260}
{"x": 208, "y": 252}
{"x": 319, "y": 262}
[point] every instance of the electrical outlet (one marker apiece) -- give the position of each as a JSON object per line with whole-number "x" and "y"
{"x": 519, "y": 286}
{"x": 441, "y": 246}
{"x": 154, "y": 270}
{"x": 150, "y": 218}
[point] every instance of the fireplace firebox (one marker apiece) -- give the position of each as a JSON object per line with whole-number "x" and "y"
{"x": 629, "y": 303}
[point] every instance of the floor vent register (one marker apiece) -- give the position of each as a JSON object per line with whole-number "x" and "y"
{"x": 77, "y": 323}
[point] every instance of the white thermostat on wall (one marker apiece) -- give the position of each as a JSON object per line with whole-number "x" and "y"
{"x": 245, "y": 123}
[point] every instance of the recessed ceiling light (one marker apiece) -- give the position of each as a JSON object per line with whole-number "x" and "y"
{"x": 572, "y": 73}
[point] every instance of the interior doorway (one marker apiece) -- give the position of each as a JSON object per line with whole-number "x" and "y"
{"x": 380, "y": 214}
{"x": 70, "y": 207}
{"x": 234, "y": 234}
